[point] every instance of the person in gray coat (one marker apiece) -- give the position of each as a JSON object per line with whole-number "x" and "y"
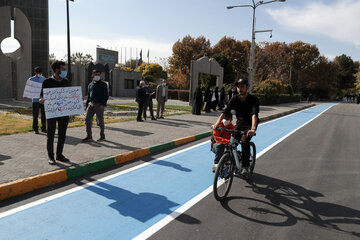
{"x": 161, "y": 98}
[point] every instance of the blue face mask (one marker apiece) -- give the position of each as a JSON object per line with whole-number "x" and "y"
{"x": 63, "y": 74}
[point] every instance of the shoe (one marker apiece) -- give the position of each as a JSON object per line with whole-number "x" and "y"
{"x": 214, "y": 168}
{"x": 86, "y": 139}
{"x": 101, "y": 139}
{"x": 153, "y": 118}
{"x": 139, "y": 120}
{"x": 62, "y": 158}
{"x": 51, "y": 161}
{"x": 36, "y": 132}
{"x": 44, "y": 131}
{"x": 245, "y": 172}
{"x": 161, "y": 117}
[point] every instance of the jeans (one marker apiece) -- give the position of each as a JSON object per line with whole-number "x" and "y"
{"x": 218, "y": 149}
{"x": 245, "y": 146}
{"x": 95, "y": 108}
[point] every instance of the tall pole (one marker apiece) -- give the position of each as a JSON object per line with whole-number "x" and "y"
{"x": 290, "y": 76}
{"x": 68, "y": 41}
{"x": 252, "y": 54}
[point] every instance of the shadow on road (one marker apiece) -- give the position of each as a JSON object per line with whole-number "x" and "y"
{"x": 3, "y": 158}
{"x": 140, "y": 206}
{"x": 294, "y": 198}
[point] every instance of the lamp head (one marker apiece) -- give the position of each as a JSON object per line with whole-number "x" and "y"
{"x": 229, "y": 7}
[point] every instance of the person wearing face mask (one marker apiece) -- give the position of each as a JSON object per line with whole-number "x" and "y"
{"x": 221, "y": 138}
{"x": 36, "y": 106}
{"x": 56, "y": 81}
{"x": 161, "y": 97}
{"x": 148, "y": 101}
{"x": 247, "y": 110}
{"x": 97, "y": 97}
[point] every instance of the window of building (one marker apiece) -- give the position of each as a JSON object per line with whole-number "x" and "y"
{"x": 129, "y": 84}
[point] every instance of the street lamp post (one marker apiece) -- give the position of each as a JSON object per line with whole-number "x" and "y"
{"x": 69, "y": 76}
{"x": 252, "y": 51}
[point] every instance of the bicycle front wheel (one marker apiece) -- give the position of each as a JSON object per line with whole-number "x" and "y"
{"x": 224, "y": 175}
{"x": 252, "y": 159}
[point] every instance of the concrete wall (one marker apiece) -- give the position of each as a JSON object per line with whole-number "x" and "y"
{"x": 204, "y": 65}
{"x": 37, "y": 13}
{"x": 118, "y": 82}
{"x": 15, "y": 68}
{"x": 5, "y": 63}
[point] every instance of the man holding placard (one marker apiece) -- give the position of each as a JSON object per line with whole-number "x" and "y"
{"x": 32, "y": 90}
{"x": 58, "y": 80}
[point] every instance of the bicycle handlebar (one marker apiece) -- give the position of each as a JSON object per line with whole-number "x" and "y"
{"x": 233, "y": 131}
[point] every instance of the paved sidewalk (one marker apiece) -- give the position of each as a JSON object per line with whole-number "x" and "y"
{"x": 24, "y": 155}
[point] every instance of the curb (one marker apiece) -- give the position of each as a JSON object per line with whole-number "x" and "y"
{"x": 25, "y": 185}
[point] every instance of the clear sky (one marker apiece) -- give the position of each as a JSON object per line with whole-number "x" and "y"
{"x": 332, "y": 25}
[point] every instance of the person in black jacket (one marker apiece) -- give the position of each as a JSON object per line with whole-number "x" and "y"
{"x": 140, "y": 99}
{"x": 221, "y": 104}
{"x": 207, "y": 99}
{"x": 56, "y": 81}
{"x": 197, "y": 103}
{"x": 97, "y": 97}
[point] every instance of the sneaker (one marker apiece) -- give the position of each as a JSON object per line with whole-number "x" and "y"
{"x": 153, "y": 118}
{"x": 214, "y": 167}
{"x": 139, "y": 120}
{"x": 161, "y": 117}
{"x": 245, "y": 172}
{"x": 36, "y": 132}
{"x": 101, "y": 139}
{"x": 86, "y": 139}
{"x": 51, "y": 161}
{"x": 62, "y": 158}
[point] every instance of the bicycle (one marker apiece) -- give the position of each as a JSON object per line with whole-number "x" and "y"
{"x": 230, "y": 164}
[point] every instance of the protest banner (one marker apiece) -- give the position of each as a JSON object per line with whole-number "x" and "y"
{"x": 60, "y": 102}
{"x": 32, "y": 89}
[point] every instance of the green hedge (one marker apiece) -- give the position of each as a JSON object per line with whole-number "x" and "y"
{"x": 277, "y": 99}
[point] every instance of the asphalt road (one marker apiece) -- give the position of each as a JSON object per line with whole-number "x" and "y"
{"x": 306, "y": 187}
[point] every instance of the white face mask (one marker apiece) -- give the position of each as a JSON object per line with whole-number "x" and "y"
{"x": 226, "y": 122}
{"x": 96, "y": 78}
{"x": 164, "y": 84}
{"x": 38, "y": 75}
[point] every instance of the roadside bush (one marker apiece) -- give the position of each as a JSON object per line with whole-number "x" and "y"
{"x": 265, "y": 99}
{"x": 270, "y": 87}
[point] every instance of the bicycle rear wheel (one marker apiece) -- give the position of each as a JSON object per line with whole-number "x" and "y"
{"x": 223, "y": 178}
{"x": 252, "y": 159}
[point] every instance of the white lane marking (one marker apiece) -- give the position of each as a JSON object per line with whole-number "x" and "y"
{"x": 162, "y": 223}
{"x": 287, "y": 135}
{"x": 58, "y": 195}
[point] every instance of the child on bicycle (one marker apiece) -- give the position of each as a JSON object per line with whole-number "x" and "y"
{"x": 221, "y": 138}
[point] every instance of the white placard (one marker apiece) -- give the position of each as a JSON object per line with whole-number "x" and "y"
{"x": 32, "y": 89}
{"x": 60, "y": 102}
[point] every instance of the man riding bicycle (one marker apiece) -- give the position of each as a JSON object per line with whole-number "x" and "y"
{"x": 246, "y": 107}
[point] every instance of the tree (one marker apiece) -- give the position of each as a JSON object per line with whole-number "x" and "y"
{"x": 152, "y": 69}
{"x": 184, "y": 51}
{"x": 52, "y": 58}
{"x": 237, "y": 53}
{"x": 228, "y": 69}
{"x": 78, "y": 57}
{"x": 272, "y": 62}
{"x": 304, "y": 56}
{"x": 347, "y": 71}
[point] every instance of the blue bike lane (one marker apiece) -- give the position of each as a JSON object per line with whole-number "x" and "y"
{"x": 126, "y": 204}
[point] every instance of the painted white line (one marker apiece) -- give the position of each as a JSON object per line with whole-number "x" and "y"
{"x": 162, "y": 223}
{"x": 61, "y": 194}
{"x": 287, "y": 135}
